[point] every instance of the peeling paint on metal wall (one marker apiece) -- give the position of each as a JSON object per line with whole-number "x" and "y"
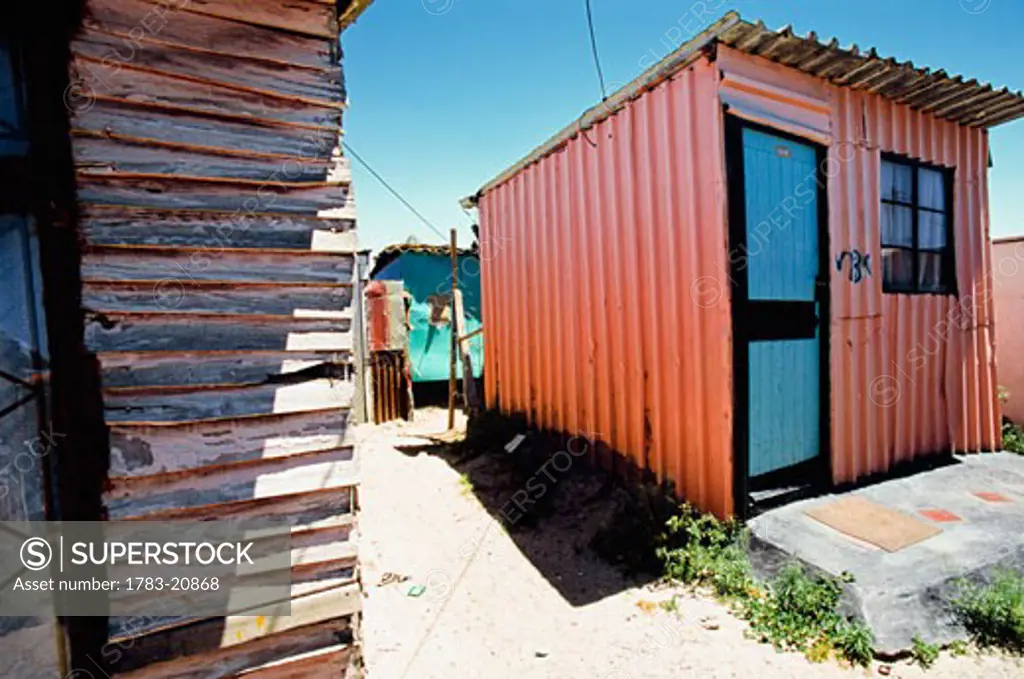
{"x": 605, "y": 288}
{"x": 219, "y": 265}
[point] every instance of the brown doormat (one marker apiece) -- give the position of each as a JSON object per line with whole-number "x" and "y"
{"x": 872, "y": 522}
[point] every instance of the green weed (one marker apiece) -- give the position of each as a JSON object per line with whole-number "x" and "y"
{"x": 1013, "y": 437}
{"x": 670, "y": 605}
{"x": 923, "y": 653}
{"x": 994, "y": 614}
{"x": 799, "y": 612}
{"x": 795, "y": 611}
{"x": 958, "y": 648}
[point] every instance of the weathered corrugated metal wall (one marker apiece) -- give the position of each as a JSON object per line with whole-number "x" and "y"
{"x": 911, "y": 375}
{"x": 219, "y": 256}
{"x": 1008, "y": 294}
{"x": 605, "y": 288}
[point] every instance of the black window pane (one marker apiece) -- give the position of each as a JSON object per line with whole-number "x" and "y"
{"x": 898, "y": 268}
{"x": 12, "y": 129}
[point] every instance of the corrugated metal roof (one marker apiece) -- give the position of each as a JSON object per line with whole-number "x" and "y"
{"x": 348, "y": 15}
{"x": 951, "y": 97}
{"x": 390, "y": 253}
{"x": 966, "y": 102}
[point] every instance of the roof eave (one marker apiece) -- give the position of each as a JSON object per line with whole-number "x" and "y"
{"x": 348, "y": 16}
{"x": 948, "y": 97}
{"x": 682, "y": 57}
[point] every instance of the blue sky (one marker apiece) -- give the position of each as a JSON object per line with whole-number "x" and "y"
{"x": 447, "y": 93}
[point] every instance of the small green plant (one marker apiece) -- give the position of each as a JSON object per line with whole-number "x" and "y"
{"x": 1013, "y": 437}
{"x": 465, "y": 484}
{"x": 670, "y": 605}
{"x": 820, "y": 651}
{"x": 795, "y": 611}
{"x": 923, "y": 653}
{"x": 855, "y": 642}
{"x": 958, "y": 648}
{"x": 994, "y": 614}
{"x": 799, "y": 612}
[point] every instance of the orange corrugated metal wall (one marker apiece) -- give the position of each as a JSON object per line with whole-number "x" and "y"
{"x": 911, "y": 375}
{"x": 927, "y": 363}
{"x": 1008, "y": 286}
{"x": 605, "y": 288}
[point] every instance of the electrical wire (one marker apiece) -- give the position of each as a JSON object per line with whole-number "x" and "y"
{"x": 393, "y": 191}
{"x": 593, "y": 47}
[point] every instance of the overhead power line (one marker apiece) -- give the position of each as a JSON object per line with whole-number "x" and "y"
{"x": 394, "y": 192}
{"x": 593, "y": 47}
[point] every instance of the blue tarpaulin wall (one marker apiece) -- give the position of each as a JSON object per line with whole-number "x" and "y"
{"x": 425, "y": 275}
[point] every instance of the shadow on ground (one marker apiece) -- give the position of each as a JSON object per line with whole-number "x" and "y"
{"x": 556, "y": 507}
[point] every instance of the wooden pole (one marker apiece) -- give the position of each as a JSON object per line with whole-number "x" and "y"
{"x": 453, "y": 326}
{"x": 470, "y": 402}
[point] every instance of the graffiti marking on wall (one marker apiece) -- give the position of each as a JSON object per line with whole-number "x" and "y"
{"x": 860, "y": 264}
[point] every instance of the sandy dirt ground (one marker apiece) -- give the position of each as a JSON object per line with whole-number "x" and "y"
{"x": 535, "y": 601}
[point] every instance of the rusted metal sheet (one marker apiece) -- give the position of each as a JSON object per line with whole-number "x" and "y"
{"x": 215, "y": 230}
{"x": 1008, "y": 294}
{"x": 308, "y": 300}
{"x": 603, "y": 280}
{"x": 177, "y": 368}
{"x": 211, "y": 34}
{"x": 317, "y": 18}
{"x": 115, "y": 120}
{"x": 392, "y": 386}
{"x": 158, "y": 447}
{"x": 387, "y": 340}
{"x": 220, "y": 300}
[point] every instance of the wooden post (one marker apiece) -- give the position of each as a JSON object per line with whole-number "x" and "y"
{"x": 470, "y": 401}
{"x": 453, "y": 326}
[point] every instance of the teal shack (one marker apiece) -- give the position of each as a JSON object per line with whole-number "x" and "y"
{"x": 426, "y": 272}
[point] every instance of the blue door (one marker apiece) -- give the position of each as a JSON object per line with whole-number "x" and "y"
{"x": 779, "y": 303}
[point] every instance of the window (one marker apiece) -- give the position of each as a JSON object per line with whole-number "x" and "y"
{"x": 917, "y": 247}
{"x": 12, "y": 116}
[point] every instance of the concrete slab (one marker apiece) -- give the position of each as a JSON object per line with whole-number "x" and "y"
{"x": 906, "y": 593}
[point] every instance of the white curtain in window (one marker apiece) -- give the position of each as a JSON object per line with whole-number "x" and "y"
{"x": 930, "y": 190}
{"x": 897, "y": 225}
{"x": 931, "y": 230}
{"x": 929, "y": 272}
{"x": 897, "y": 182}
{"x": 898, "y": 267}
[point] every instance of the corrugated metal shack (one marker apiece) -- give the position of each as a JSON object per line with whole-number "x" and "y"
{"x": 197, "y": 267}
{"x": 762, "y": 265}
{"x": 426, "y": 273}
{"x": 1008, "y": 291}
